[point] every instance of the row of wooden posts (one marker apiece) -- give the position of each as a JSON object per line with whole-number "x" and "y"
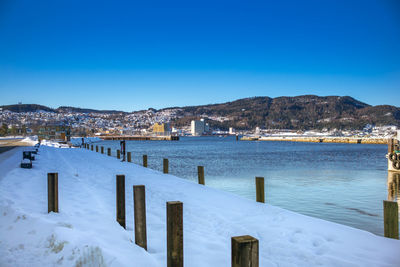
{"x": 244, "y": 249}
{"x": 390, "y": 208}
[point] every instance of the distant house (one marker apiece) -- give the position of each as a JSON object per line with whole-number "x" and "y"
{"x": 55, "y": 132}
{"x": 161, "y": 129}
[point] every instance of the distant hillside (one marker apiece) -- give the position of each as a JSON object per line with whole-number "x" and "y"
{"x": 26, "y": 108}
{"x": 34, "y": 108}
{"x": 64, "y": 109}
{"x": 300, "y": 112}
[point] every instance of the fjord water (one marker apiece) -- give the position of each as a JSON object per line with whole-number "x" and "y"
{"x": 343, "y": 183}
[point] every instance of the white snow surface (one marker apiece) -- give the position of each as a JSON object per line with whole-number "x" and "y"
{"x": 85, "y": 231}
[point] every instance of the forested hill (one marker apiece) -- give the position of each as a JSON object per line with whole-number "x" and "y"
{"x": 299, "y": 112}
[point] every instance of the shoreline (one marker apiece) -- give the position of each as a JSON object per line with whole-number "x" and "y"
{"x": 322, "y": 139}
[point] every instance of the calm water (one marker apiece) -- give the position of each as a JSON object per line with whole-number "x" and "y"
{"x": 343, "y": 183}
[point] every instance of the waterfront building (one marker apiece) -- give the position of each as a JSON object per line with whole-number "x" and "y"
{"x": 199, "y": 127}
{"x": 162, "y": 129}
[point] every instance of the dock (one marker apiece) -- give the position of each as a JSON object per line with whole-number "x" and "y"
{"x": 140, "y": 138}
{"x": 325, "y": 139}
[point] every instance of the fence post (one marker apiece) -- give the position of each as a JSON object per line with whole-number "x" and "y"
{"x": 200, "y": 173}
{"x": 174, "y": 234}
{"x": 260, "y": 194}
{"x": 391, "y": 219}
{"x": 129, "y": 157}
{"x": 91, "y": 147}
{"x": 139, "y": 203}
{"x": 121, "y": 200}
{"x": 165, "y": 165}
{"x": 145, "y": 161}
{"x": 97, "y": 148}
{"x": 109, "y": 151}
{"x": 118, "y": 154}
{"x": 102, "y": 150}
{"x": 52, "y": 192}
{"x": 244, "y": 251}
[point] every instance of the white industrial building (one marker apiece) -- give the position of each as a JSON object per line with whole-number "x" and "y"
{"x": 199, "y": 127}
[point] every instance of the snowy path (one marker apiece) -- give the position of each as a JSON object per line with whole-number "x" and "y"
{"x": 85, "y": 230}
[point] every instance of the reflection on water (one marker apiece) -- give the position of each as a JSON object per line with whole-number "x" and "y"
{"x": 343, "y": 183}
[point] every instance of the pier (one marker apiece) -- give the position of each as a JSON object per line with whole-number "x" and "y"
{"x": 140, "y": 137}
{"x": 324, "y": 139}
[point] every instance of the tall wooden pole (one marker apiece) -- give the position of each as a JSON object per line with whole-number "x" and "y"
{"x": 174, "y": 234}
{"x": 139, "y": 202}
{"x": 391, "y": 219}
{"x": 129, "y": 157}
{"x": 145, "y": 161}
{"x": 165, "y": 165}
{"x": 52, "y": 192}
{"x": 121, "y": 200}
{"x": 260, "y": 194}
{"x": 200, "y": 174}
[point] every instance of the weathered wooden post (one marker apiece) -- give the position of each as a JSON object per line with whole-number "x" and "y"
{"x": 165, "y": 165}
{"x": 260, "y": 194}
{"x": 390, "y": 145}
{"x": 121, "y": 200}
{"x": 145, "y": 161}
{"x": 118, "y": 154}
{"x": 237, "y": 137}
{"x": 52, "y": 192}
{"x": 102, "y": 150}
{"x": 91, "y": 147}
{"x": 97, "y": 148}
{"x": 244, "y": 251}
{"x": 391, "y": 219}
{"x": 129, "y": 157}
{"x": 139, "y": 202}
{"x": 109, "y": 151}
{"x": 200, "y": 174}
{"x": 174, "y": 234}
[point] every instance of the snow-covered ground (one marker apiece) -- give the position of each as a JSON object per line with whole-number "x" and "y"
{"x": 85, "y": 232}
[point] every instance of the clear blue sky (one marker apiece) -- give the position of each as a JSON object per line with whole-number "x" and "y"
{"x": 128, "y": 55}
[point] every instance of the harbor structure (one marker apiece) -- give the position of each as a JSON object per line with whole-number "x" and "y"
{"x": 199, "y": 127}
{"x": 162, "y": 129}
{"x": 393, "y": 155}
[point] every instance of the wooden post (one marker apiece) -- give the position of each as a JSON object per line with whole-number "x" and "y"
{"x": 244, "y": 251}
{"x": 237, "y": 137}
{"x": 118, "y": 154}
{"x": 165, "y": 165}
{"x": 91, "y": 147}
{"x": 390, "y": 145}
{"x": 260, "y": 195}
{"x": 121, "y": 200}
{"x": 391, "y": 219}
{"x": 200, "y": 173}
{"x": 97, "y": 148}
{"x": 109, "y": 151}
{"x": 129, "y": 157}
{"x": 102, "y": 150}
{"x": 174, "y": 234}
{"x": 145, "y": 161}
{"x": 139, "y": 203}
{"x": 52, "y": 192}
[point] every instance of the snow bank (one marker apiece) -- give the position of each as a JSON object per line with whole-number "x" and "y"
{"x": 85, "y": 232}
